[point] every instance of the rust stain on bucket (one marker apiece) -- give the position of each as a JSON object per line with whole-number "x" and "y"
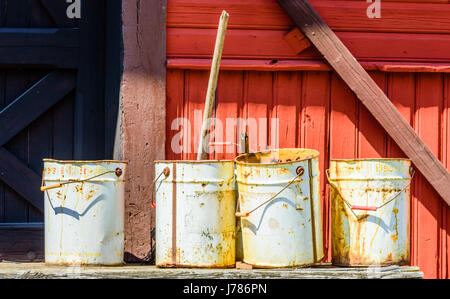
{"x": 201, "y": 230}
{"x": 84, "y": 212}
{"x": 370, "y": 212}
{"x": 287, "y": 231}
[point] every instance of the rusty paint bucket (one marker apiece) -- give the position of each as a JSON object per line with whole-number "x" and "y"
{"x": 280, "y": 207}
{"x": 84, "y": 212}
{"x": 195, "y": 207}
{"x": 370, "y": 211}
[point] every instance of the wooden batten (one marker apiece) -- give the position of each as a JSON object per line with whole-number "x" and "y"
{"x": 297, "y": 40}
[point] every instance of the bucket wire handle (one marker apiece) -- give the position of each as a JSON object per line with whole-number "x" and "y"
{"x": 300, "y": 171}
{"x": 244, "y": 147}
{"x": 368, "y": 208}
{"x": 117, "y": 171}
{"x": 166, "y": 172}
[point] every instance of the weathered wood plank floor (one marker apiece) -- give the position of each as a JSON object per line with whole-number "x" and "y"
{"x": 41, "y": 271}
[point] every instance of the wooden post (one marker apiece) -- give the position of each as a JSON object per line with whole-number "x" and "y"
{"x": 143, "y": 124}
{"x": 244, "y": 144}
{"x": 212, "y": 86}
{"x": 368, "y": 92}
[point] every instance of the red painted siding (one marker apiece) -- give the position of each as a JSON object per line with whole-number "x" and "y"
{"x": 315, "y": 108}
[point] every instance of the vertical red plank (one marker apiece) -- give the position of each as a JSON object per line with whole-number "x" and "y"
{"x": 372, "y": 137}
{"x": 196, "y": 84}
{"x": 446, "y": 160}
{"x": 402, "y": 92}
{"x": 315, "y": 134}
{"x": 229, "y": 101}
{"x": 343, "y": 125}
{"x": 344, "y": 121}
{"x": 427, "y": 123}
{"x": 174, "y": 113}
{"x": 287, "y": 103}
{"x": 258, "y": 100}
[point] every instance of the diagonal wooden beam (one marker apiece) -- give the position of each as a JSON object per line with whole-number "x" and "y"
{"x": 16, "y": 117}
{"x": 368, "y": 92}
{"x": 21, "y": 178}
{"x": 34, "y": 102}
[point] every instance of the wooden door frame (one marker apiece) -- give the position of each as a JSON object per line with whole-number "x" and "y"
{"x": 143, "y": 127}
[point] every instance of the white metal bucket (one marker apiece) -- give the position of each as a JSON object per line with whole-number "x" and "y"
{"x": 280, "y": 203}
{"x": 195, "y": 207}
{"x": 370, "y": 211}
{"x": 84, "y": 220}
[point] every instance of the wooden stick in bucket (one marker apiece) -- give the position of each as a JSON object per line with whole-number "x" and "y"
{"x": 212, "y": 86}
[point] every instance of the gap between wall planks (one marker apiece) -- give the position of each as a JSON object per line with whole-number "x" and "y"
{"x": 359, "y": 81}
{"x": 304, "y": 65}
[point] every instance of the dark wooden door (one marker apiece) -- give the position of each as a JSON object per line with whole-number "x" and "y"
{"x": 52, "y": 105}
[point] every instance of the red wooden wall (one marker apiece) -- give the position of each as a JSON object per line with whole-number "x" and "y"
{"x": 263, "y": 78}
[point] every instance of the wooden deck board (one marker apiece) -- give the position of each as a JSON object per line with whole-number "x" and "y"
{"x": 32, "y": 270}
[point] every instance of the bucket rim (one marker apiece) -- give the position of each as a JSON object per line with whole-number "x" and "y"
{"x": 314, "y": 156}
{"x": 371, "y": 159}
{"x": 84, "y": 161}
{"x": 194, "y": 161}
